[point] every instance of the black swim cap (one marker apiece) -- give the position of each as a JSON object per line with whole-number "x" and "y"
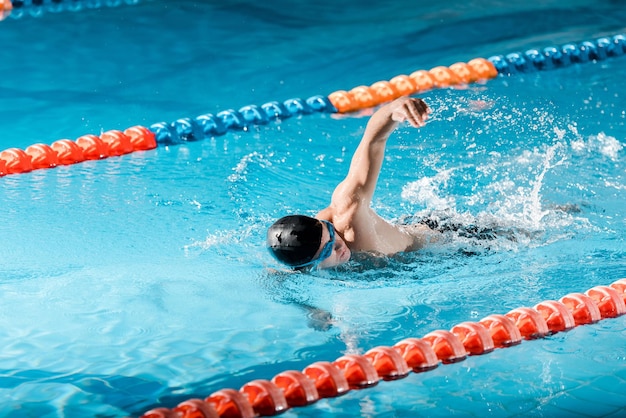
{"x": 294, "y": 240}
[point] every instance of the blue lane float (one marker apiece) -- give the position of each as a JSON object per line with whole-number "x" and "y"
{"x": 554, "y": 57}
{"x": 209, "y": 125}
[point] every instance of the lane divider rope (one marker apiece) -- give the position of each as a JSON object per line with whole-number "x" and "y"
{"x": 16, "y": 161}
{"x": 18, "y": 9}
{"x": 323, "y": 379}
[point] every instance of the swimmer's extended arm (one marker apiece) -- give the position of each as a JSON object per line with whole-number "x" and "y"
{"x": 360, "y": 183}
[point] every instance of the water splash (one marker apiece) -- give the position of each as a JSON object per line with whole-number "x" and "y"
{"x": 506, "y": 212}
{"x": 603, "y": 144}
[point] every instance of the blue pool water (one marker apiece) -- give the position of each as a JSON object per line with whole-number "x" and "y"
{"x": 142, "y": 281}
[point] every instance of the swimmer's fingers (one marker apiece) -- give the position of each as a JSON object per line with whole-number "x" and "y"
{"x": 413, "y": 111}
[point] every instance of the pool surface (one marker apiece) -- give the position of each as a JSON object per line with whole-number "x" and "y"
{"x": 141, "y": 281}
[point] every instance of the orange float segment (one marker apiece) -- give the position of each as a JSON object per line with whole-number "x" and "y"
{"x": 463, "y": 72}
{"x": 584, "y": 309}
{"x": 610, "y": 303}
{"x": 502, "y": 329}
{"x": 3, "y": 168}
{"x": 423, "y": 80}
{"x": 342, "y": 100}
{"x": 363, "y": 97}
{"x": 93, "y": 147}
{"x": 446, "y": 345}
{"x": 68, "y": 152}
{"x": 383, "y": 91}
{"x": 529, "y": 322}
{"x": 558, "y": 318}
{"x": 483, "y": 68}
{"x": 160, "y": 413}
{"x": 230, "y": 403}
{"x": 42, "y": 156}
{"x": 329, "y": 380}
{"x": 195, "y": 408}
{"x": 118, "y": 143}
{"x": 388, "y": 363}
{"x": 266, "y": 398}
{"x": 16, "y": 161}
{"x": 418, "y": 354}
{"x": 475, "y": 338}
{"x": 141, "y": 138}
{"x": 358, "y": 370}
{"x": 620, "y": 287}
{"x": 298, "y": 388}
{"x": 404, "y": 85}
{"x": 443, "y": 76}
{"x": 5, "y": 8}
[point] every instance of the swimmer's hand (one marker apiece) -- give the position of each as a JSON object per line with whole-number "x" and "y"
{"x": 412, "y": 110}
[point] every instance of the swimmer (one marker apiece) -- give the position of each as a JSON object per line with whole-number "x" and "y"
{"x": 349, "y": 224}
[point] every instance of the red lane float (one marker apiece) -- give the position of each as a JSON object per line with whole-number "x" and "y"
{"x": 192, "y": 408}
{"x": 66, "y": 152}
{"x": 42, "y": 156}
{"x": 610, "y": 303}
{"x": 266, "y": 398}
{"x": 529, "y": 322}
{"x": 502, "y": 329}
{"x": 388, "y": 363}
{"x": 558, "y": 318}
{"x": 620, "y": 287}
{"x": 16, "y": 161}
{"x": 141, "y": 138}
{"x": 195, "y": 408}
{"x": 418, "y": 354}
{"x": 358, "y": 370}
{"x": 446, "y": 345}
{"x": 584, "y": 309}
{"x": 117, "y": 143}
{"x": 299, "y": 389}
{"x": 327, "y": 380}
{"x": 231, "y": 403}
{"x": 93, "y": 147}
{"x": 475, "y": 338}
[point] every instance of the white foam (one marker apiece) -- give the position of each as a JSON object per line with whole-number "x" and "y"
{"x": 602, "y": 144}
{"x": 427, "y": 191}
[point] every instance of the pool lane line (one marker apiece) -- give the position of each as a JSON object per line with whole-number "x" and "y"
{"x": 478, "y": 70}
{"x": 39, "y": 156}
{"x": 554, "y": 57}
{"x": 363, "y": 97}
{"x": 323, "y": 379}
{"x": 18, "y": 9}
{"x": 66, "y": 152}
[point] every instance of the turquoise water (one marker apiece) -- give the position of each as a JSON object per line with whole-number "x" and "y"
{"x": 141, "y": 281}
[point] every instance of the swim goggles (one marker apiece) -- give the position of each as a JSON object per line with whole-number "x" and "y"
{"x": 326, "y": 251}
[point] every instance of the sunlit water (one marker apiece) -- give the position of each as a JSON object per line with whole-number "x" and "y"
{"x": 143, "y": 280}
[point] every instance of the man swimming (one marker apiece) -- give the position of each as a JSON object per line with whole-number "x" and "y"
{"x": 349, "y": 223}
